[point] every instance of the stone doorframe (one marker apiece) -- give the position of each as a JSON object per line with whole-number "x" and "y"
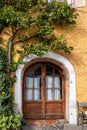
{"x": 70, "y": 85}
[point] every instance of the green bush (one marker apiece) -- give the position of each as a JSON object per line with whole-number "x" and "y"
{"x": 10, "y": 122}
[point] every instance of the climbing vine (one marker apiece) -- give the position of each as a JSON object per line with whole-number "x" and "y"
{"x": 30, "y": 25}
{"x": 9, "y": 120}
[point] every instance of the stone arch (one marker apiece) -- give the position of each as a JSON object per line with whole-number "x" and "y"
{"x": 70, "y": 84}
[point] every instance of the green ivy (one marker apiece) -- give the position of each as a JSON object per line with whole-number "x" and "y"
{"x": 10, "y": 122}
{"x": 5, "y": 83}
{"x": 62, "y": 13}
{"x": 3, "y": 59}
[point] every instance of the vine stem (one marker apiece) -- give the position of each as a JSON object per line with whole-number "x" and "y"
{"x": 46, "y": 3}
{"x": 11, "y": 44}
{"x": 9, "y": 51}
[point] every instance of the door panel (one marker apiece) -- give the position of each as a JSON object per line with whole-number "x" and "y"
{"x": 33, "y": 110}
{"x": 54, "y": 109}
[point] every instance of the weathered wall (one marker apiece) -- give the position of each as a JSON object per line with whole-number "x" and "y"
{"x": 78, "y": 57}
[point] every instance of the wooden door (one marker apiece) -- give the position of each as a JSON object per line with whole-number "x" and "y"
{"x": 43, "y": 92}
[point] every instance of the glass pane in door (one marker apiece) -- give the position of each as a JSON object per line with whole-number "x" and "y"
{"x": 29, "y": 94}
{"x": 53, "y": 83}
{"x": 37, "y": 88}
{"x": 37, "y": 82}
{"x": 29, "y": 86}
{"x": 49, "y": 92}
{"x": 33, "y": 83}
{"x": 57, "y": 86}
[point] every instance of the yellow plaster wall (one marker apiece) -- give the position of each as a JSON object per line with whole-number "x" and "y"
{"x": 78, "y": 57}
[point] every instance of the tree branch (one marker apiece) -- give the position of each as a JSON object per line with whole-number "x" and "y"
{"x": 46, "y": 3}
{"x": 14, "y": 32}
{"x": 7, "y": 33}
{"x": 17, "y": 42}
{"x": 22, "y": 40}
{"x": 2, "y": 44}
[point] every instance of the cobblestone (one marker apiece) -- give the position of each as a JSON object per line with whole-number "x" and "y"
{"x": 45, "y": 127}
{"x": 54, "y": 127}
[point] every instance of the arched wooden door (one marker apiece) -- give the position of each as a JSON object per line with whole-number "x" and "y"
{"x": 43, "y": 92}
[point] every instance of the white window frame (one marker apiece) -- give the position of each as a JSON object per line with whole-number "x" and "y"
{"x": 81, "y": 3}
{"x": 74, "y": 3}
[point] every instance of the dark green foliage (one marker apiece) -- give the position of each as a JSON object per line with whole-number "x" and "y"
{"x": 62, "y": 13}
{"x": 5, "y": 82}
{"x": 10, "y": 122}
{"x": 3, "y": 59}
{"x": 20, "y": 16}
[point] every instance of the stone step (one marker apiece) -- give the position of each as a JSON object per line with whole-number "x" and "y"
{"x": 54, "y": 127}
{"x": 44, "y": 127}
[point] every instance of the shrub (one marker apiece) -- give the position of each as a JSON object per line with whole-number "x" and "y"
{"x": 10, "y": 122}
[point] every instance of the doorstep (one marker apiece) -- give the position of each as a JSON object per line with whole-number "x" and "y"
{"x": 41, "y": 123}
